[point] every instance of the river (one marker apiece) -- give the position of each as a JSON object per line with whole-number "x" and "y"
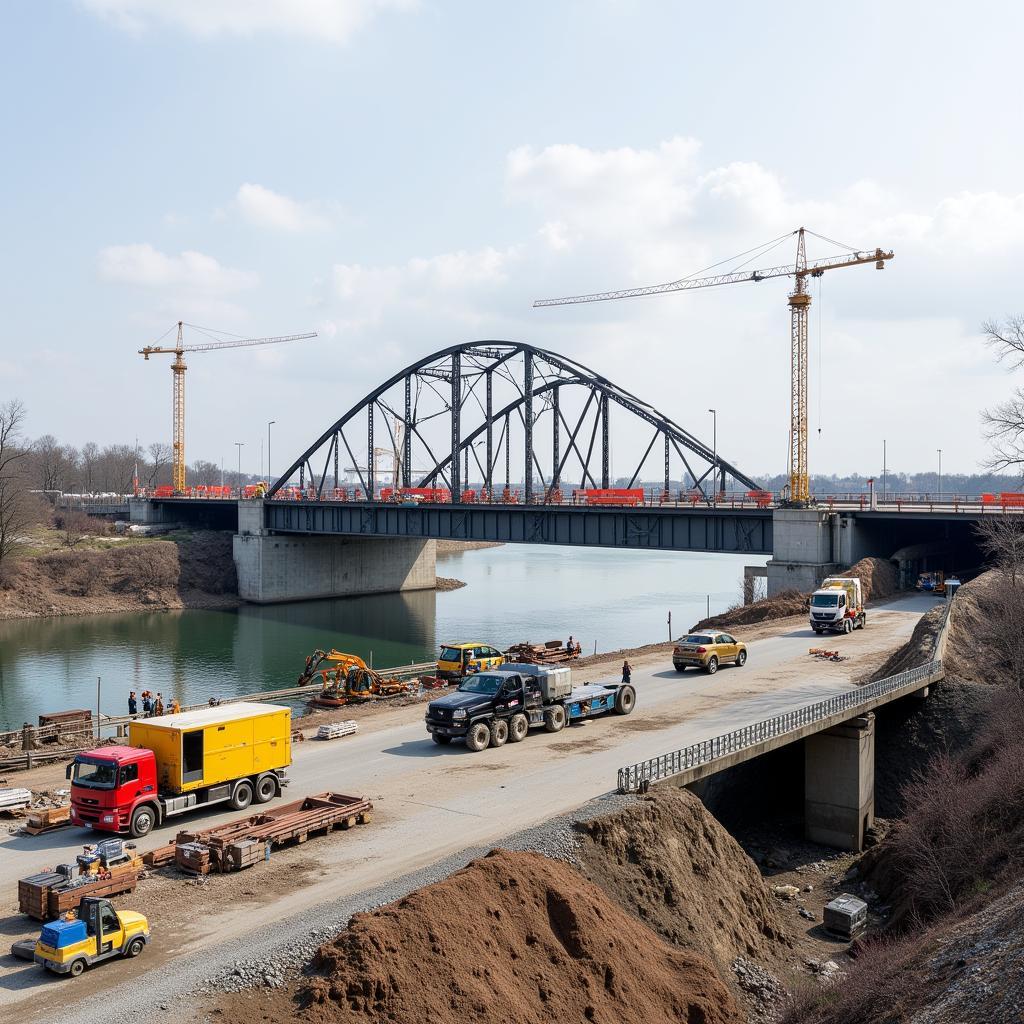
{"x": 607, "y": 598}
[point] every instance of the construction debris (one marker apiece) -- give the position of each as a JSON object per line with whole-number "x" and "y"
{"x": 824, "y": 655}
{"x": 15, "y": 799}
{"x": 107, "y": 869}
{"x": 334, "y": 730}
{"x": 550, "y": 653}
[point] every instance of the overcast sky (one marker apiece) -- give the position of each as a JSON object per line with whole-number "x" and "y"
{"x": 403, "y": 175}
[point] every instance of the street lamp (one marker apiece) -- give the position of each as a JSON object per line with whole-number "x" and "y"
{"x": 270, "y": 423}
{"x": 939, "y": 450}
{"x": 239, "y": 445}
{"x": 714, "y": 451}
{"x": 883, "y": 468}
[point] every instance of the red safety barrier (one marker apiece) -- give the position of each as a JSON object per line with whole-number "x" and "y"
{"x": 469, "y": 497}
{"x": 761, "y": 498}
{"x": 163, "y": 491}
{"x": 988, "y": 499}
{"x": 609, "y": 496}
{"x": 1011, "y": 499}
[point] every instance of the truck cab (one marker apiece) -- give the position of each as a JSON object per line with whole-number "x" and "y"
{"x": 97, "y": 932}
{"x": 108, "y": 783}
{"x": 837, "y": 606}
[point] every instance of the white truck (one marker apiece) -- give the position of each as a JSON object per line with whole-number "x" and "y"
{"x": 837, "y": 606}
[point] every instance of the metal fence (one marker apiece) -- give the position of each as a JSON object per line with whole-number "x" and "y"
{"x": 678, "y": 761}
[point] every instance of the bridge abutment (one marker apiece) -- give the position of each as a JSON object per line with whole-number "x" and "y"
{"x": 810, "y": 544}
{"x": 839, "y": 783}
{"x": 277, "y": 567}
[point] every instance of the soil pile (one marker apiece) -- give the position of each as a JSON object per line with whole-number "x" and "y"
{"x": 669, "y": 862}
{"x": 511, "y": 937}
{"x": 196, "y": 571}
{"x": 878, "y": 577}
{"x": 789, "y": 602}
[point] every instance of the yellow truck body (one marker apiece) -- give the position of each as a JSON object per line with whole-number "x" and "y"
{"x": 201, "y": 748}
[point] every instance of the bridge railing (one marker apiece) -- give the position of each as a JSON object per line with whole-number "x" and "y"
{"x": 676, "y": 762}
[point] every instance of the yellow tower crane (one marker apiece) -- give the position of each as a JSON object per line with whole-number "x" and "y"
{"x": 178, "y": 368}
{"x": 799, "y": 306}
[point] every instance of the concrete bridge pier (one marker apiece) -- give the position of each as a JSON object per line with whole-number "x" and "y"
{"x": 839, "y": 783}
{"x": 810, "y": 544}
{"x": 282, "y": 567}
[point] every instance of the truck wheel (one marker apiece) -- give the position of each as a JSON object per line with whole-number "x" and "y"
{"x": 134, "y": 948}
{"x": 625, "y": 700}
{"x": 266, "y": 788}
{"x": 242, "y": 796}
{"x": 441, "y": 741}
{"x": 143, "y": 820}
{"x": 741, "y": 659}
{"x": 479, "y": 736}
{"x": 554, "y": 720}
{"x": 847, "y": 625}
{"x": 499, "y": 732}
{"x": 77, "y": 967}
{"x": 862, "y": 621}
{"x": 712, "y": 666}
{"x": 518, "y": 727}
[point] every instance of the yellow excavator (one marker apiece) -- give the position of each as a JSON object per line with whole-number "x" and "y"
{"x": 347, "y": 679}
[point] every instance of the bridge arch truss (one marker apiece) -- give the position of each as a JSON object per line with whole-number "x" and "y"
{"x": 493, "y": 415}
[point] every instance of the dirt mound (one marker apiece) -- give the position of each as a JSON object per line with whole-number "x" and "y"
{"x": 789, "y": 602}
{"x": 511, "y": 937}
{"x": 918, "y": 650}
{"x": 669, "y": 862}
{"x": 878, "y": 577}
{"x": 196, "y": 571}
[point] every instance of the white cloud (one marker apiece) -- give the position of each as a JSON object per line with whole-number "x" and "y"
{"x": 335, "y": 21}
{"x": 265, "y": 208}
{"x": 142, "y": 264}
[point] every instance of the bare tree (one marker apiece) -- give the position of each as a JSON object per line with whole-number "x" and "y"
{"x": 159, "y": 459}
{"x": 1004, "y": 423}
{"x": 206, "y": 473}
{"x": 18, "y": 509}
{"x": 1001, "y": 538}
{"x": 117, "y": 468}
{"x": 88, "y": 463}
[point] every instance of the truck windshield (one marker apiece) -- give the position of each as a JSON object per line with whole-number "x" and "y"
{"x": 94, "y": 774}
{"x": 450, "y": 654}
{"x": 825, "y": 600}
{"x": 482, "y": 684}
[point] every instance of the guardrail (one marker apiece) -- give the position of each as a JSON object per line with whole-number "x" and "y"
{"x": 697, "y": 755}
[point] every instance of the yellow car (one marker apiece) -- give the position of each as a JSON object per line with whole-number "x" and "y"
{"x": 708, "y": 651}
{"x": 458, "y": 660}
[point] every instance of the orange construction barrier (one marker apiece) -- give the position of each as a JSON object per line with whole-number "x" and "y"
{"x": 609, "y": 496}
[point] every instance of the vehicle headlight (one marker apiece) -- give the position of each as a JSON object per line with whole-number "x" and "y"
{"x": 459, "y": 713}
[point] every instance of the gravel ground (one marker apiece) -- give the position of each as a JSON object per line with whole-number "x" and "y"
{"x": 272, "y": 957}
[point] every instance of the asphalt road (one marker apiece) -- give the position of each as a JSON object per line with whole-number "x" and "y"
{"x": 433, "y": 801}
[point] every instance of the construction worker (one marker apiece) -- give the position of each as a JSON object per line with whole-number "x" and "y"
{"x": 175, "y": 706}
{"x": 570, "y": 644}
{"x": 133, "y": 704}
{"x": 147, "y": 704}
{"x": 627, "y": 672}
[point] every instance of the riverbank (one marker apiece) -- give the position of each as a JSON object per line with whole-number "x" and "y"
{"x": 108, "y": 575}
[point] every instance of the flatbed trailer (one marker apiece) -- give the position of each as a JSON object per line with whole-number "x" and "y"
{"x": 499, "y": 706}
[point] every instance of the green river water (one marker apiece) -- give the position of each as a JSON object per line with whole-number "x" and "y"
{"x": 606, "y": 598}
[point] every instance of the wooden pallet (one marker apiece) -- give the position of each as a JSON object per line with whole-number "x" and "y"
{"x": 48, "y": 820}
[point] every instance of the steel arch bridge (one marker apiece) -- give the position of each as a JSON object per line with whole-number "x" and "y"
{"x": 461, "y": 414}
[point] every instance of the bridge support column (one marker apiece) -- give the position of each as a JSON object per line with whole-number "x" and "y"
{"x": 282, "y": 567}
{"x": 839, "y": 784}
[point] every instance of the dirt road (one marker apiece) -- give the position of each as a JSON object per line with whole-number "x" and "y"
{"x": 433, "y": 801}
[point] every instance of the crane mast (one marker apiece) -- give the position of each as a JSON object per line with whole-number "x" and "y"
{"x": 178, "y": 368}
{"x": 799, "y": 308}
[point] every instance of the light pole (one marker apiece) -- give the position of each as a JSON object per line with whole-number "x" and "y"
{"x": 270, "y": 423}
{"x": 714, "y": 452}
{"x": 883, "y": 469}
{"x": 239, "y": 445}
{"x": 939, "y": 450}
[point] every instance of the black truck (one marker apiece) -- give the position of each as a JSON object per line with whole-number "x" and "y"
{"x": 502, "y": 705}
